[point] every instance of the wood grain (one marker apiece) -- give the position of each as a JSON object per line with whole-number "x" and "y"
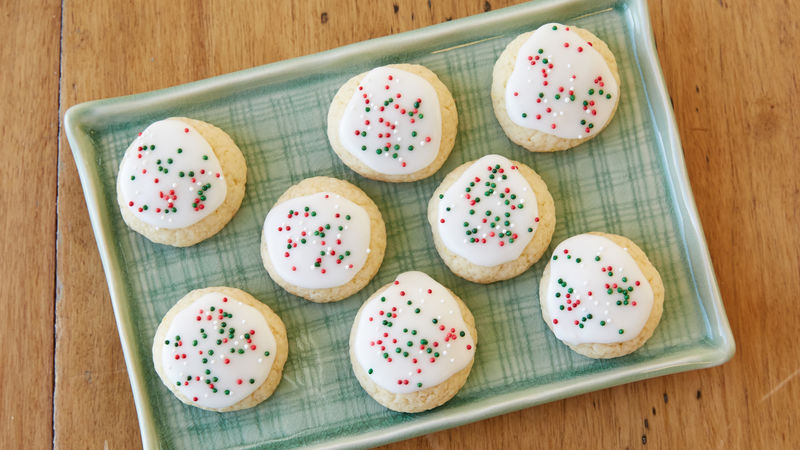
{"x": 729, "y": 66}
{"x": 29, "y": 52}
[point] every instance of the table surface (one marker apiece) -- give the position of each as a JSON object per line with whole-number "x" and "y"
{"x": 730, "y": 66}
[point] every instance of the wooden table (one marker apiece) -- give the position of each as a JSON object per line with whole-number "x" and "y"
{"x": 730, "y": 66}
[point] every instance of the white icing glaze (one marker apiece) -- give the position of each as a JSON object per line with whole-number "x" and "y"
{"x": 323, "y": 244}
{"x": 414, "y": 310}
{"x": 489, "y": 214}
{"x": 218, "y": 351}
{"x": 560, "y": 85}
{"x": 590, "y": 314}
{"x": 393, "y": 123}
{"x": 170, "y": 176}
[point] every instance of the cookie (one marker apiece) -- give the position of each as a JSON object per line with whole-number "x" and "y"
{"x": 180, "y": 181}
{"x": 394, "y": 123}
{"x": 555, "y": 88}
{"x": 323, "y": 240}
{"x": 220, "y": 349}
{"x": 412, "y": 344}
{"x": 600, "y": 295}
{"x": 491, "y": 219}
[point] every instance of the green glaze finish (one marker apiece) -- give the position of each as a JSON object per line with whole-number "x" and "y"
{"x": 630, "y": 180}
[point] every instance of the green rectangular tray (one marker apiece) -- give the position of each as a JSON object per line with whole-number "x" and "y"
{"x": 630, "y": 180}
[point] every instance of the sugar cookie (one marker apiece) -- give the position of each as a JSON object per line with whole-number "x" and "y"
{"x": 491, "y": 219}
{"x": 394, "y": 123}
{"x": 323, "y": 240}
{"x": 600, "y": 295}
{"x": 220, "y": 349}
{"x": 180, "y": 181}
{"x": 555, "y": 88}
{"x": 412, "y": 344}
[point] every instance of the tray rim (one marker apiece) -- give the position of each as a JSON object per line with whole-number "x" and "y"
{"x": 714, "y": 351}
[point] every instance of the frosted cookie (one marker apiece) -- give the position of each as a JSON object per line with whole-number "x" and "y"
{"x": 180, "y": 181}
{"x": 600, "y": 295}
{"x": 412, "y": 344}
{"x": 323, "y": 240}
{"x": 220, "y": 349}
{"x": 491, "y": 219}
{"x": 555, "y": 88}
{"x": 394, "y": 123}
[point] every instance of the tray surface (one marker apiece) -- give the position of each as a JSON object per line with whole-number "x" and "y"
{"x": 629, "y": 180}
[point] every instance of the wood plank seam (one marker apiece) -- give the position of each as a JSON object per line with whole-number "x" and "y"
{"x": 56, "y": 282}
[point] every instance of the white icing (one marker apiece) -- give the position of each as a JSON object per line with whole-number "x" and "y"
{"x": 590, "y": 314}
{"x": 189, "y": 186}
{"x": 500, "y": 236}
{"x": 414, "y": 301}
{"x": 323, "y": 246}
{"x": 574, "y": 72}
{"x": 204, "y": 360}
{"x": 393, "y": 123}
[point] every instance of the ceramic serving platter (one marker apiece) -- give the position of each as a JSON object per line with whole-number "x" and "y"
{"x": 630, "y": 180}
